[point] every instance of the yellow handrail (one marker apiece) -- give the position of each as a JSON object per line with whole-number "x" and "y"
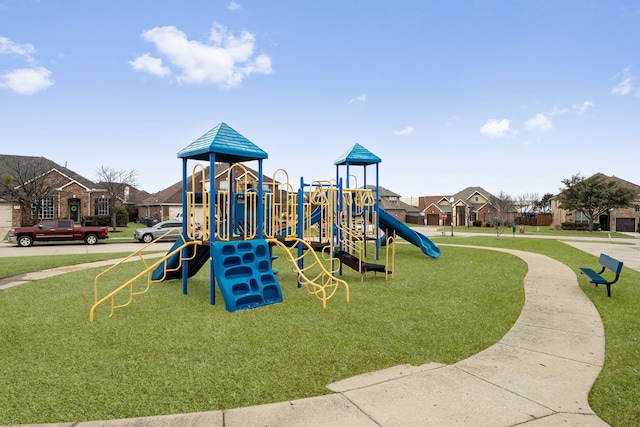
{"x": 147, "y": 270}
{"x": 324, "y": 285}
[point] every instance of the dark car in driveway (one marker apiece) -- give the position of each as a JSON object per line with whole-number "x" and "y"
{"x": 149, "y": 234}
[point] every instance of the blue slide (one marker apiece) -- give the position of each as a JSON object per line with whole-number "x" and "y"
{"x": 194, "y": 263}
{"x": 390, "y": 223}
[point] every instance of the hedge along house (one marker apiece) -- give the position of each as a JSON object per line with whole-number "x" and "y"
{"x": 36, "y": 188}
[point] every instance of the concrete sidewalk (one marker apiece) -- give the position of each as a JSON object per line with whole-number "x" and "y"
{"x": 539, "y": 374}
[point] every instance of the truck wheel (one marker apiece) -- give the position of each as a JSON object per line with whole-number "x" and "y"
{"x": 91, "y": 239}
{"x": 147, "y": 238}
{"x": 25, "y": 241}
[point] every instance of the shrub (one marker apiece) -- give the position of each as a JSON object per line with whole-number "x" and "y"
{"x": 577, "y": 226}
{"x": 477, "y": 223}
{"x": 101, "y": 220}
{"x": 122, "y": 217}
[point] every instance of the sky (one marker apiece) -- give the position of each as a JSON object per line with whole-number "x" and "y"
{"x": 509, "y": 95}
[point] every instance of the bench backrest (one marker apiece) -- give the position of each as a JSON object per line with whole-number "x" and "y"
{"x": 611, "y": 263}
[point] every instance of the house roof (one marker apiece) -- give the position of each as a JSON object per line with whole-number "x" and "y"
{"x": 470, "y": 191}
{"x": 33, "y": 166}
{"x": 357, "y": 155}
{"x": 226, "y": 143}
{"x": 173, "y": 193}
{"x": 385, "y": 202}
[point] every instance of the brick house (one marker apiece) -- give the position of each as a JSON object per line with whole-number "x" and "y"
{"x": 462, "y": 208}
{"x": 167, "y": 203}
{"x": 33, "y": 188}
{"x": 623, "y": 220}
{"x": 391, "y": 203}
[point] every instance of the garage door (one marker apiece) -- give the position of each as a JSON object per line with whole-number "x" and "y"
{"x": 626, "y": 224}
{"x": 433, "y": 219}
{"x": 5, "y": 214}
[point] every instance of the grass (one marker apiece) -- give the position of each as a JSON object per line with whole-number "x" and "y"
{"x": 616, "y": 392}
{"x": 13, "y": 266}
{"x": 173, "y": 353}
{"x": 536, "y": 231}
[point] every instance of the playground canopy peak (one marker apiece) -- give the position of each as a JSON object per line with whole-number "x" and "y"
{"x": 358, "y": 155}
{"x": 227, "y": 144}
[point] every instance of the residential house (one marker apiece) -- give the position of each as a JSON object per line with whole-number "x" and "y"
{"x": 167, "y": 203}
{"x": 391, "y": 203}
{"x": 461, "y": 209}
{"x": 34, "y": 188}
{"x": 623, "y": 220}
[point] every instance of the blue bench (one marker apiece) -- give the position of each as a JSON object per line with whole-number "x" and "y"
{"x": 606, "y": 262}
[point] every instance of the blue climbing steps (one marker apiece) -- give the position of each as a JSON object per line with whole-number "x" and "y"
{"x": 244, "y": 274}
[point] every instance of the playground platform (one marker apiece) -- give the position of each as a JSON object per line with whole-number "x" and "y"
{"x": 540, "y": 373}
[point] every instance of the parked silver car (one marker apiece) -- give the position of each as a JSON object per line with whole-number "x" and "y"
{"x": 149, "y": 234}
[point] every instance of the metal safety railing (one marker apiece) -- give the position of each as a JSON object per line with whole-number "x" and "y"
{"x": 147, "y": 270}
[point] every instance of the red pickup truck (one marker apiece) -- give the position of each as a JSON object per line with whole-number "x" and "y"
{"x": 57, "y": 230}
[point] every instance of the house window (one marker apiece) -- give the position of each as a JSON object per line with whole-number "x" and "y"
{"x": 637, "y": 208}
{"x": 102, "y": 206}
{"x": 476, "y": 198}
{"x": 581, "y": 218}
{"x": 43, "y": 209}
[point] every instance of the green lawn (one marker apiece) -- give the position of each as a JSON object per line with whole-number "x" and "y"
{"x": 531, "y": 230}
{"x": 13, "y": 266}
{"x": 174, "y": 353}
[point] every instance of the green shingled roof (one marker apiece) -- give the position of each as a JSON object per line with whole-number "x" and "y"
{"x": 227, "y": 145}
{"x": 358, "y": 155}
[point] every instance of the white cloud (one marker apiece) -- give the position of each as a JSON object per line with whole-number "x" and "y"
{"x": 151, "y": 65}
{"x": 8, "y": 47}
{"x": 225, "y": 59}
{"x": 361, "y": 98}
{"x": 575, "y": 108}
{"x": 27, "y": 81}
{"x": 497, "y": 128}
{"x": 625, "y": 86}
{"x": 233, "y": 6}
{"x": 581, "y": 109}
{"x": 557, "y": 111}
{"x": 539, "y": 122}
{"x": 24, "y": 81}
{"x": 405, "y": 131}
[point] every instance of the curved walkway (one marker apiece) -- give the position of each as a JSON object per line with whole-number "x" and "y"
{"x": 540, "y": 373}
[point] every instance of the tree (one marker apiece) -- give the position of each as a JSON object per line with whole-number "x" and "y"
{"x": 544, "y": 205}
{"x": 32, "y": 182}
{"x": 505, "y": 207}
{"x": 117, "y": 183}
{"x": 594, "y": 196}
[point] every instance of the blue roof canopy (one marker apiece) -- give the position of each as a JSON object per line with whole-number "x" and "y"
{"x": 227, "y": 145}
{"x": 358, "y": 155}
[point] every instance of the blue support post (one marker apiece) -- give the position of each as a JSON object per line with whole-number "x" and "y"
{"x": 260, "y": 212}
{"x": 299, "y": 225}
{"x": 377, "y": 206}
{"x": 212, "y": 226}
{"x": 185, "y": 273}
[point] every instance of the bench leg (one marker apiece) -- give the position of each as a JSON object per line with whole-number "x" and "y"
{"x": 608, "y": 290}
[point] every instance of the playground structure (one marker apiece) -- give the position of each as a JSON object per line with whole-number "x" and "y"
{"x": 324, "y": 224}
